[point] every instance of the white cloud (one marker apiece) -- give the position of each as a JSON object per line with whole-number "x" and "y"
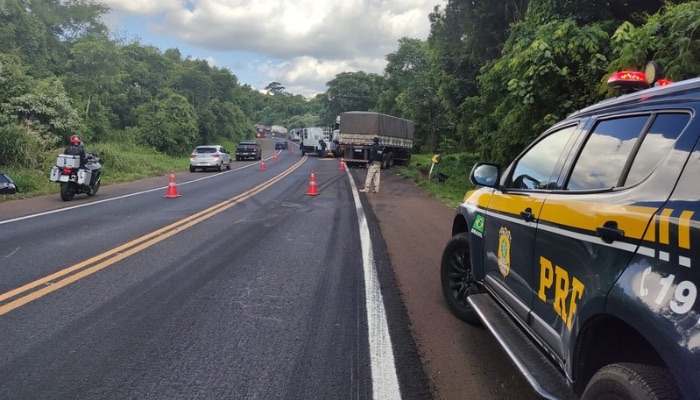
{"x": 304, "y": 42}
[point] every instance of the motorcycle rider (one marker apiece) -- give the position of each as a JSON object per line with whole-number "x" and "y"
{"x": 87, "y": 160}
{"x": 75, "y": 148}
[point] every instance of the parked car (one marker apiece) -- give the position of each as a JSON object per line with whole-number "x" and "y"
{"x": 281, "y": 145}
{"x": 7, "y": 185}
{"x": 248, "y": 149}
{"x": 210, "y": 157}
{"x": 582, "y": 257}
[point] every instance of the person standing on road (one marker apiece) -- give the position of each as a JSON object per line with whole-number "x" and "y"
{"x": 374, "y": 168}
{"x": 322, "y": 143}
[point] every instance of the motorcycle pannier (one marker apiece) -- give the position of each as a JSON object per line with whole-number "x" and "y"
{"x": 55, "y": 174}
{"x": 66, "y": 160}
{"x": 84, "y": 176}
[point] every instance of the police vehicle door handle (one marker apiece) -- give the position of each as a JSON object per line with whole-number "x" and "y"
{"x": 609, "y": 232}
{"x": 527, "y": 215}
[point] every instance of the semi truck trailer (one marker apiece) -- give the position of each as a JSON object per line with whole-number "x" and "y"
{"x": 354, "y": 131}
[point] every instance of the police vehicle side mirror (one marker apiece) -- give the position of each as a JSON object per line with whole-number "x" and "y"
{"x": 485, "y": 174}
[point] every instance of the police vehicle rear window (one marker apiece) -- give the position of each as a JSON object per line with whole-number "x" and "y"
{"x": 602, "y": 160}
{"x": 657, "y": 143}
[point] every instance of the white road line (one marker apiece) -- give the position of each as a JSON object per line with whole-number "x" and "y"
{"x": 92, "y": 203}
{"x": 385, "y": 382}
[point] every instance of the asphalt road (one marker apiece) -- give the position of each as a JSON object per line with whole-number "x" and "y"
{"x": 237, "y": 289}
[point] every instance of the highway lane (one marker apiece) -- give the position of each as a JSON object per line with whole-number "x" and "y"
{"x": 264, "y": 298}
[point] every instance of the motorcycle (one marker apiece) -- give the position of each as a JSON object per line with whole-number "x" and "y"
{"x": 75, "y": 179}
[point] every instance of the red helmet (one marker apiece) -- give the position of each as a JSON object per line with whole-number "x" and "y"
{"x": 75, "y": 139}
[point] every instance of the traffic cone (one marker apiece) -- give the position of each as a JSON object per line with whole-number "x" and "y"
{"x": 172, "y": 187}
{"x": 313, "y": 190}
{"x": 262, "y": 165}
{"x": 275, "y": 158}
{"x": 342, "y": 163}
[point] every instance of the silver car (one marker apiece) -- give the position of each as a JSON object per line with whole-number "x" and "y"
{"x": 212, "y": 156}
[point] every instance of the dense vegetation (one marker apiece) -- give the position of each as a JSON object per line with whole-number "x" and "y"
{"x": 490, "y": 77}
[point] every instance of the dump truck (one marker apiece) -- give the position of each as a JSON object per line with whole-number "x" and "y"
{"x": 354, "y": 131}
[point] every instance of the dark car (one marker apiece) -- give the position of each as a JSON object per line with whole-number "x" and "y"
{"x": 281, "y": 145}
{"x": 7, "y": 185}
{"x": 582, "y": 257}
{"x": 248, "y": 149}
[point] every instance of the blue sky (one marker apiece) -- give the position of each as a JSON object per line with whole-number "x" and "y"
{"x": 300, "y": 43}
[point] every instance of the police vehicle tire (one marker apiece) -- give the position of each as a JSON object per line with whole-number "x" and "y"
{"x": 628, "y": 381}
{"x": 457, "y": 279}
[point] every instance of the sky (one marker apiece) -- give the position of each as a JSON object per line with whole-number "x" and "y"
{"x": 302, "y": 44}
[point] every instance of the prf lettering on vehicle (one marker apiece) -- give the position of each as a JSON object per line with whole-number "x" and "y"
{"x": 567, "y": 290}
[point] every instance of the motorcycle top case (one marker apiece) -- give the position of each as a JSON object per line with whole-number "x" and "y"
{"x": 67, "y": 160}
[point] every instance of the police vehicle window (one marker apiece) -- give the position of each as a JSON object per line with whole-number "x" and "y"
{"x": 534, "y": 169}
{"x": 605, "y": 153}
{"x": 656, "y": 145}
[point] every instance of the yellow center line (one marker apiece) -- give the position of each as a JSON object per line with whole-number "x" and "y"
{"x": 101, "y": 261}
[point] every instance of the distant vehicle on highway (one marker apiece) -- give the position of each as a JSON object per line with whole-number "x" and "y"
{"x": 248, "y": 149}
{"x": 281, "y": 145}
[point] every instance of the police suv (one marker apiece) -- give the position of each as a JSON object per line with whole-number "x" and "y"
{"x": 582, "y": 256}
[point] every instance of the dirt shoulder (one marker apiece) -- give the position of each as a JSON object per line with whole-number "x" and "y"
{"x": 461, "y": 361}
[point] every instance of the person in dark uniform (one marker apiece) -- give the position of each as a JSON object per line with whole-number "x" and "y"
{"x": 322, "y": 143}
{"x": 374, "y": 168}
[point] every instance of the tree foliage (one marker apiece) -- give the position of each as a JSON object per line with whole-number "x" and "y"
{"x": 168, "y": 123}
{"x": 491, "y": 75}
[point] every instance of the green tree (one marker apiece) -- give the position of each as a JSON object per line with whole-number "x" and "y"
{"x": 46, "y": 108}
{"x": 548, "y": 70}
{"x": 670, "y": 37}
{"x": 410, "y": 91}
{"x": 275, "y": 88}
{"x": 351, "y": 91}
{"x": 168, "y": 123}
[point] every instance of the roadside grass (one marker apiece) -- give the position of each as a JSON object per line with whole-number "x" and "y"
{"x": 455, "y": 167}
{"x": 124, "y": 162}
{"x": 121, "y": 162}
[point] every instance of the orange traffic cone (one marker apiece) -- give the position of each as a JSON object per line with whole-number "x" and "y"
{"x": 342, "y": 163}
{"x": 262, "y": 165}
{"x": 172, "y": 187}
{"x": 275, "y": 158}
{"x": 313, "y": 190}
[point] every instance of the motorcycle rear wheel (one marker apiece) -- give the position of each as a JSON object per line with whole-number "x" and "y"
{"x": 67, "y": 191}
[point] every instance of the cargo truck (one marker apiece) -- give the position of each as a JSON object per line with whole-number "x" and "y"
{"x": 354, "y": 131}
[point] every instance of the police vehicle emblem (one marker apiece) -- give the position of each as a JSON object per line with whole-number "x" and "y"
{"x": 504, "y": 239}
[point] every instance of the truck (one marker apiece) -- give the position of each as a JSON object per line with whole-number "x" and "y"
{"x": 309, "y": 140}
{"x": 354, "y": 131}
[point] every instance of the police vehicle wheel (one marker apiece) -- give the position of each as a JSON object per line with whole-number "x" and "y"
{"x": 628, "y": 381}
{"x": 457, "y": 278}
{"x": 67, "y": 192}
